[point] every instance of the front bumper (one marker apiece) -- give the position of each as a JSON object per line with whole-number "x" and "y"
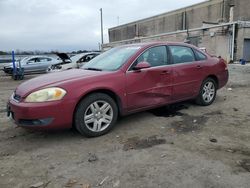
{"x": 8, "y": 70}
{"x": 46, "y": 115}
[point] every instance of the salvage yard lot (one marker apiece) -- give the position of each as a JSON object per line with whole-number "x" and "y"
{"x": 183, "y": 145}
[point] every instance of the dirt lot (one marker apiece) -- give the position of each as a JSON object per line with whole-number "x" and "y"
{"x": 184, "y": 145}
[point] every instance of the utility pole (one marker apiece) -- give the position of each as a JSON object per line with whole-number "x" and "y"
{"x": 101, "y": 27}
{"x": 118, "y": 19}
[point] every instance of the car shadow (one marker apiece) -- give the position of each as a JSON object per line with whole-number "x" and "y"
{"x": 164, "y": 111}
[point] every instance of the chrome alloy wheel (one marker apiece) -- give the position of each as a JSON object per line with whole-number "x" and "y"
{"x": 98, "y": 116}
{"x": 208, "y": 91}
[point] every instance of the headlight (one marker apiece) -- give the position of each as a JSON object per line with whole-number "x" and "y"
{"x": 44, "y": 95}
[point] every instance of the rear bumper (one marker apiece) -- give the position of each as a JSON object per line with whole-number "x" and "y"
{"x": 42, "y": 116}
{"x": 223, "y": 78}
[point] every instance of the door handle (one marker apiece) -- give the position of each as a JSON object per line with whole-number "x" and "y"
{"x": 198, "y": 66}
{"x": 165, "y": 72}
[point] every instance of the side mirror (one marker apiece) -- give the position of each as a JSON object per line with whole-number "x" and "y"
{"x": 142, "y": 65}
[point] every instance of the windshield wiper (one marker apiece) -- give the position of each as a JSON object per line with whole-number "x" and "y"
{"x": 94, "y": 69}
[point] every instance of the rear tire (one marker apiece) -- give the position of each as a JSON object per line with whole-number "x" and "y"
{"x": 207, "y": 92}
{"x": 96, "y": 115}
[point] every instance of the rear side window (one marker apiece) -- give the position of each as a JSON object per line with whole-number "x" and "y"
{"x": 44, "y": 59}
{"x": 182, "y": 54}
{"x": 200, "y": 56}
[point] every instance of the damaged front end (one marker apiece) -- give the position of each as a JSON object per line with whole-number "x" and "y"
{"x": 58, "y": 67}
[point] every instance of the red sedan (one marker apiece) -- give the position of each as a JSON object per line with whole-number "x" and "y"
{"x": 123, "y": 80}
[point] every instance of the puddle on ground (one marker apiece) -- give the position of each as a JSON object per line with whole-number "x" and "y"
{"x": 188, "y": 124}
{"x": 169, "y": 111}
{"x": 137, "y": 143}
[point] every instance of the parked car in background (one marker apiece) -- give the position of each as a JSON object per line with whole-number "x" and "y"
{"x": 33, "y": 64}
{"x": 75, "y": 61}
{"x": 123, "y": 80}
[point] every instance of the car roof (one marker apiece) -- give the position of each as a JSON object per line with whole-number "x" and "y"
{"x": 86, "y": 53}
{"x": 36, "y": 56}
{"x": 148, "y": 44}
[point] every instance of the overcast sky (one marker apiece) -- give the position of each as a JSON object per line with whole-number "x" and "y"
{"x": 68, "y": 25}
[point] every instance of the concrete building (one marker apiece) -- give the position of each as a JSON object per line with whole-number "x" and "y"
{"x": 221, "y": 26}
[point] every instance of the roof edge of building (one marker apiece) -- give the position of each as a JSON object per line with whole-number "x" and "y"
{"x": 190, "y": 7}
{"x": 181, "y": 31}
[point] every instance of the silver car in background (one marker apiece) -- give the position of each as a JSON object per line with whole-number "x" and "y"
{"x": 32, "y": 64}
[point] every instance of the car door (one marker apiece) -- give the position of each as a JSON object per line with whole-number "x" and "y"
{"x": 31, "y": 65}
{"x": 150, "y": 86}
{"x": 187, "y": 72}
{"x": 44, "y": 63}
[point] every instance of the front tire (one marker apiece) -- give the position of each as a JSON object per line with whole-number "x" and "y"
{"x": 207, "y": 92}
{"x": 96, "y": 115}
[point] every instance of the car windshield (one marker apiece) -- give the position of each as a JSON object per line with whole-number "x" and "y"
{"x": 77, "y": 57}
{"x": 24, "y": 59}
{"x": 111, "y": 60}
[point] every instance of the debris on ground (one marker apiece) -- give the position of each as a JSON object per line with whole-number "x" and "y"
{"x": 116, "y": 183}
{"x": 163, "y": 155}
{"x": 102, "y": 182}
{"x": 236, "y": 109}
{"x": 36, "y": 185}
{"x": 245, "y": 164}
{"x": 92, "y": 157}
{"x": 14, "y": 136}
{"x": 71, "y": 183}
{"x": 86, "y": 186}
{"x": 213, "y": 140}
{"x": 230, "y": 150}
{"x": 229, "y": 89}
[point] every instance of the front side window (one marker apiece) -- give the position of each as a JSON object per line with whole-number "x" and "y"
{"x": 182, "y": 54}
{"x": 32, "y": 60}
{"x": 156, "y": 56}
{"x": 111, "y": 60}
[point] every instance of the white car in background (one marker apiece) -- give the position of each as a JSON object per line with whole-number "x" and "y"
{"x": 72, "y": 62}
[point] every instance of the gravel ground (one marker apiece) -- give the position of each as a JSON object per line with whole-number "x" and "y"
{"x": 183, "y": 145}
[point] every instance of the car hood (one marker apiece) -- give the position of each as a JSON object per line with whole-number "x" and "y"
{"x": 63, "y": 56}
{"x": 54, "y": 79}
{"x": 10, "y": 65}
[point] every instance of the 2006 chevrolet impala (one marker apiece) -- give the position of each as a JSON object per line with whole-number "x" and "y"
{"x": 123, "y": 80}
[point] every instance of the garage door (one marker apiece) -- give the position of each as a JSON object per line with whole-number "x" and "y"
{"x": 246, "y": 52}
